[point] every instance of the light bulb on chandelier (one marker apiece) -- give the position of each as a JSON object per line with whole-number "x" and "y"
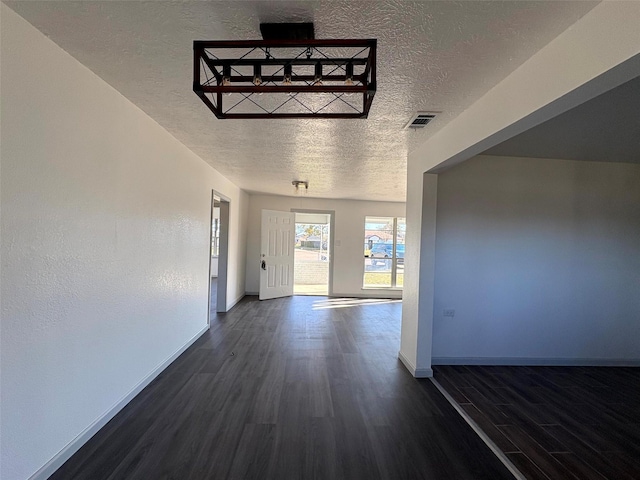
{"x": 317, "y": 80}
{"x": 286, "y": 81}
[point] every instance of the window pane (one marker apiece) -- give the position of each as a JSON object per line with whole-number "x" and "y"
{"x": 378, "y": 235}
{"x": 215, "y": 237}
{"x": 381, "y": 234}
{"x": 400, "y": 236}
{"x": 400, "y": 274}
{"x": 377, "y": 231}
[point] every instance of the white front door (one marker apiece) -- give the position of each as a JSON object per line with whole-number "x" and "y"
{"x": 276, "y": 258}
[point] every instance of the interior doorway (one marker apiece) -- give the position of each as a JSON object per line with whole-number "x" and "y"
{"x": 219, "y": 259}
{"x": 312, "y": 254}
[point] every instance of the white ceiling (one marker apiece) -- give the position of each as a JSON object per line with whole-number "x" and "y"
{"x": 604, "y": 129}
{"x": 438, "y": 56}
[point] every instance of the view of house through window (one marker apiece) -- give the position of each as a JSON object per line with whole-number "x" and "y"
{"x": 384, "y": 251}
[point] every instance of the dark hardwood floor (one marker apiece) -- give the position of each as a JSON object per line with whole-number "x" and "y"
{"x": 555, "y": 422}
{"x": 295, "y": 388}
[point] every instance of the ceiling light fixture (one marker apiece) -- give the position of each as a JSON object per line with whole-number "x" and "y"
{"x": 297, "y": 75}
{"x": 300, "y": 183}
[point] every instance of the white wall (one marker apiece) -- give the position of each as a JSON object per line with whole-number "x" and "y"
{"x": 540, "y": 260}
{"x": 348, "y": 256}
{"x": 105, "y": 249}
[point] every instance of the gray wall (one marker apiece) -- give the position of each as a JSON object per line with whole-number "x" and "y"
{"x": 540, "y": 259}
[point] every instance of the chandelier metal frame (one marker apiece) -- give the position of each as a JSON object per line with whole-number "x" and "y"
{"x": 314, "y": 70}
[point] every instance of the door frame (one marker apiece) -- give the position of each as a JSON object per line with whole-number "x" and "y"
{"x": 332, "y": 220}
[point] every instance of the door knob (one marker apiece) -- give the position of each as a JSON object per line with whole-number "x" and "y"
{"x": 264, "y": 265}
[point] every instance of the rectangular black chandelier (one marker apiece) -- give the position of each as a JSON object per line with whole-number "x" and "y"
{"x": 306, "y": 78}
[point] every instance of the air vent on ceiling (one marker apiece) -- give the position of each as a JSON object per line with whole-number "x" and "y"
{"x": 421, "y": 119}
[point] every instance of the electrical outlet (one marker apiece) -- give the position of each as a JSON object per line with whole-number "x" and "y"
{"x": 449, "y": 312}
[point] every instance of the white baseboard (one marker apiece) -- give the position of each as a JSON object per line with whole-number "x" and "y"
{"x": 416, "y": 372}
{"x": 235, "y": 302}
{"x": 389, "y": 296}
{"x": 533, "y": 361}
{"x": 74, "y": 445}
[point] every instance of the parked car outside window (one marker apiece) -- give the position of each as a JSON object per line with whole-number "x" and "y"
{"x": 385, "y": 250}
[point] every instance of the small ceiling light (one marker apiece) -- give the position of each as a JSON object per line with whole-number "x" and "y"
{"x": 287, "y": 75}
{"x": 317, "y": 79}
{"x": 257, "y": 75}
{"x": 299, "y": 184}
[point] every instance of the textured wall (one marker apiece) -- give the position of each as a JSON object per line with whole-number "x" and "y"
{"x": 540, "y": 260}
{"x": 105, "y": 247}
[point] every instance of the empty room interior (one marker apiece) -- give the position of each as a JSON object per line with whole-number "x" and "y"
{"x": 209, "y": 272}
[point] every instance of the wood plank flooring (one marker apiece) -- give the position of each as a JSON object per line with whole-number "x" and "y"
{"x": 295, "y": 388}
{"x": 555, "y": 422}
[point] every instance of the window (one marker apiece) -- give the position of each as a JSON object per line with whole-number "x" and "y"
{"x": 215, "y": 237}
{"x": 215, "y": 227}
{"x": 384, "y": 252}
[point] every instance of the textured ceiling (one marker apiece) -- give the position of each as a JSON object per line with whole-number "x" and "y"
{"x": 604, "y": 129}
{"x": 438, "y": 56}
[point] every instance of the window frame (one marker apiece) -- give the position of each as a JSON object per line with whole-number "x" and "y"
{"x": 394, "y": 254}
